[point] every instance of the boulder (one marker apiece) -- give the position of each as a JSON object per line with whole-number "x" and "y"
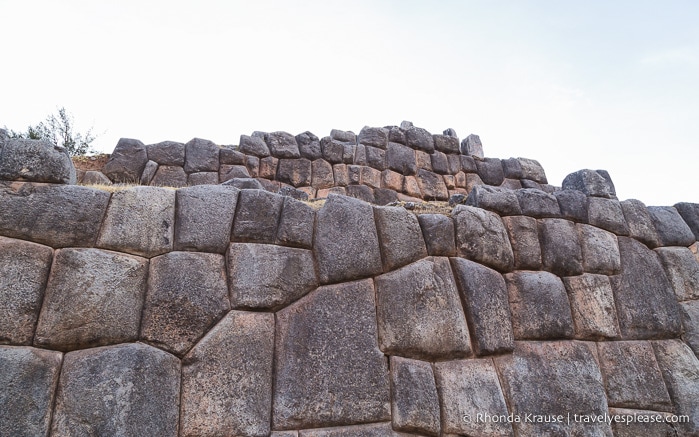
{"x": 257, "y": 216}
{"x": 600, "y": 250}
{"x": 295, "y": 172}
{"x": 690, "y": 215}
{"x": 538, "y": 203}
{"x": 438, "y": 234}
{"x": 169, "y": 176}
{"x": 344, "y": 136}
{"x": 204, "y": 217}
{"x": 401, "y": 158}
{"x": 201, "y": 155}
{"x": 296, "y": 224}
{"x": 607, "y": 214}
{"x": 532, "y": 170}
{"x": 396, "y": 134}
{"x": 595, "y": 183}
{"x": 499, "y": 200}
{"x": 680, "y": 368}
{"x": 524, "y": 239}
{"x": 282, "y": 145}
{"x": 682, "y": 270}
{"x": 333, "y": 151}
{"x": 415, "y": 404}
{"x": 481, "y": 237}
{"x": 672, "y": 230}
{"x": 374, "y": 136}
{"x": 640, "y": 223}
{"x": 376, "y": 157}
{"x": 166, "y": 153}
{"x": 127, "y": 161}
{"x": 490, "y": 171}
{"x": 512, "y": 168}
{"x": 454, "y": 162}
{"x": 36, "y": 161}
{"x": 446, "y": 143}
{"x": 418, "y": 138}
{"x": 572, "y": 204}
{"x": 560, "y": 247}
{"x": 471, "y": 145}
{"x": 309, "y": 146}
{"x": 253, "y": 145}
{"x": 400, "y": 236}
{"x": 592, "y": 306}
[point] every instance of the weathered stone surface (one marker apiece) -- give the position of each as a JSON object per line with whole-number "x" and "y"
{"x": 370, "y": 177}
{"x": 253, "y": 145}
{"x": 344, "y": 136}
{"x": 230, "y": 155}
{"x": 127, "y": 161}
{"x": 469, "y": 388}
{"x": 438, "y": 233}
{"x": 295, "y": 172}
{"x": 169, "y": 176}
{"x": 309, "y": 146}
{"x": 485, "y": 299}
{"x": 472, "y": 180}
{"x": 361, "y": 192}
{"x": 431, "y": 185}
{"x": 646, "y": 305}
{"x": 376, "y": 157}
{"x": 296, "y": 224}
{"x": 600, "y": 250}
{"x": 341, "y": 175}
{"x": 592, "y": 306}
{"x": 257, "y": 216}
{"x": 595, "y": 183}
{"x": 24, "y": 270}
{"x": 471, "y": 145}
{"x": 28, "y": 380}
{"x": 640, "y": 224}
{"x": 268, "y": 167}
{"x": 690, "y": 214}
{"x": 58, "y": 216}
{"x": 284, "y": 434}
{"x": 139, "y": 221}
{"x": 512, "y": 168}
{"x": 147, "y": 175}
{"x": 524, "y": 239}
{"x": 642, "y": 422}
{"x": 396, "y": 134}
{"x": 187, "y": 294}
{"x": 166, "y": 153}
{"x": 244, "y": 183}
{"x": 127, "y": 390}
{"x": 322, "y": 174}
{"x": 607, "y": 214}
{"x": 682, "y": 270}
{"x": 415, "y": 403}
{"x": 93, "y": 297}
{"x": 560, "y": 247}
{"x": 419, "y": 312}
{"x": 501, "y": 201}
{"x": 551, "y": 379}
{"x": 573, "y": 205}
{"x": 374, "y": 136}
{"x": 423, "y": 161}
{"x": 631, "y": 376}
{"x": 227, "y": 172}
{"x": 481, "y": 237}
{"x": 537, "y": 203}
{"x": 333, "y": 151}
{"x": 411, "y": 188}
{"x": 384, "y": 196}
{"x": 354, "y": 174}
{"x": 532, "y": 170}
{"x": 539, "y": 306}
{"x": 202, "y": 178}
{"x": 454, "y": 162}
{"x": 392, "y": 180}
{"x": 418, "y": 138}
{"x": 400, "y": 236}
{"x": 96, "y": 178}
{"x": 490, "y": 170}
{"x": 370, "y": 430}
{"x": 440, "y": 164}
{"x": 446, "y": 143}
{"x": 330, "y": 334}
{"x": 680, "y": 368}
{"x": 226, "y": 389}
{"x": 690, "y": 323}
{"x": 201, "y": 155}
{"x": 468, "y": 164}
{"x": 204, "y": 217}
{"x": 401, "y": 158}
{"x": 268, "y": 276}
{"x": 346, "y": 243}
{"x": 252, "y": 163}
{"x": 282, "y": 145}
{"x": 672, "y": 230}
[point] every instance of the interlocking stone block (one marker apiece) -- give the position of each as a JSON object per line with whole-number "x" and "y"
{"x": 690, "y": 323}
{"x": 632, "y": 376}
{"x": 231, "y": 155}
{"x": 419, "y": 312}
{"x": 24, "y": 269}
{"x": 204, "y": 217}
{"x": 36, "y": 161}
{"x": 682, "y": 270}
{"x": 672, "y": 230}
{"x": 341, "y": 175}
{"x": 322, "y": 174}
{"x": 499, "y": 200}
{"x": 524, "y": 239}
{"x": 282, "y": 145}
{"x": 147, "y": 176}
{"x": 228, "y": 172}
{"x": 490, "y": 170}
{"x": 369, "y": 430}
{"x": 410, "y": 187}
{"x": 600, "y": 250}
{"x": 127, "y": 161}
{"x": 201, "y": 155}
{"x": 538, "y": 203}
{"x": 607, "y": 214}
{"x": 471, "y": 145}
{"x": 468, "y": 164}
{"x": 438, "y": 233}
{"x": 447, "y": 144}
{"x": 512, "y": 168}
{"x": 96, "y": 178}
{"x": 573, "y": 205}
{"x": 560, "y": 247}
{"x": 640, "y": 224}
{"x": 28, "y": 380}
{"x": 187, "y": 294}
{"x": 257, "y": 216}
{"x": 549, "y": 379}
{"x": 169, "y": 176}
{"x": 471, "y": 388}
{"x": 592, "y": 306}
{"x": 227, "y": 378}
{"x": 361, "y": 192}
{"x": 440, "y": 164}
{"x": 166, "y": 153}
{"x": 646, "y": 305}
{"x": 268, "y": 167}
{"x": 481, "y": 237}
{"x": 539, "y": 305}
{"x": 295, "y": 172}
{"x": 401, "y": 158}
{"x": 284, "y": 434}
{"x": 54, "y": 215}
{"x": 532, "y": 170}
{"x": 139, "y": 221}
{"x": 268, "y": 276}
{"x": 418, "y": 138}
{"x": 253, "y": 145}
{"x": 296, "y": 224}
{"x": 595, "y": 183}
{"x": 376, "y": 157}
{"x": 486, "y": 304}
{"x": 415, "y": 403}
{"x": 690, "y": 215}
{"x": 400, "y": 236}
{"x": 252, "y": 163}
{"x": 93, "y": 297}
{"x": 331, "y": 335}
{"x": 384, "y": 196}
{"x": 333, "y": 151}
{"x": 512, "y": 184}
{"x": 128, "y": 389}
{"x": 309, "y": 146}
{"x": 374, "y": 136}
{"x": 454, "y": 162}
{"x": 370, "y": 177}
{"x": 642, "y": 422}
{"x": 344, "y": 136}
{"x": 392, "y": 180}
{"x": 423, "y": 160}
{"x": 202, "y": 178}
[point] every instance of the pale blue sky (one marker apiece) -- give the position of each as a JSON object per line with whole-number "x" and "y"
{"x": 593, "y": 84}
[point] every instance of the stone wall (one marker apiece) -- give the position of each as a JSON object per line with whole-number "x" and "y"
{"x": 212, "y": 310}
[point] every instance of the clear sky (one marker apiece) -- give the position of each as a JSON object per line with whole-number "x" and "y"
{"x": 573, "y": 84}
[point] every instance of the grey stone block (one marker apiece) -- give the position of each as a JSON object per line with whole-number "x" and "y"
{"x": 490, "y": 171}
{"x": 690, "y": 323}
{"x": 147, "y": 176}
{"x": 682, "y": 270}
{"x": 419, "y": 312}
{"x": 322, "y": 175}
{"x": 333, "y": 151}
{"x": 384, "y": 196}
{"x": 140, "y": 221}
{"x": 468, "y": 164}
{"x": 257, "y": 216}
{"x": 560, "y": 247}
{"x": 643, "y": 422}
{"x": 361, "y": 192}
{"x": 600, "y": 250}
{"x": 532, "y": 170}
{"x": 296, "y": 224}
{"x": 127, "y": 161}
{"x": 331, "y": 335}
{"x": 309, "y": 146}
{"x": 592, "y": 306}
{"x": 396, "y": 134}
{"x": 231, "y": 155}
{"x": 376, "y": 158}
{"x": 595, "y": 183}
{"x": 415, "y": 403}
{"x": 187, "y": 294}
{"x": 446, "y": 143}
{"x": 680, "y": 368}
{"x": 454, "y": 162}
{"x": 690, "y": 215}
{"x": 401, "y": 158}
{"x": 538, "y": 203}
{"x": 431, "y": 185}
{"x": 418, "y": 138}
{"x": 640, "y": 224}
{"x": 252, "y": 163}
{"x": 524, "y": 239}
{"x": 24, "y": 270}
{"x": 205, "y": 217}
{"x": 440, "y": 164}
{"x": 607, "y": 214}
{"x": 201, "y": 155}
{"x": 344, "y": 136}
{"x": 471, "y": 145}
{"x": 244, "y": 183}
{"x": 96, "y": 178}
{"x": 253, "y": 145}
{"x": 512, "y": 168}
{"x": 481, "y": 237}
{"x": 368, "y": 430}
{"x": 400, "y": 236}
{"x": 672, "y": 230}
{"x": 374, "y": 136}
{"x": 166, "y": 153}
{"x": 228, "y": 172}
{"x": 202, "y": 178}
{"x": 438, "y": 233}
{"x": 169, "y": 176}
{"x": 573, "y": 205}
{"x": 295, "y": 172}
{"x": 93, "y": 298}
{"x": 499, "y": 200}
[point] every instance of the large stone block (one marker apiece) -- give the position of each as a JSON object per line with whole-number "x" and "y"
{"x": 282, "y": 145}
{"x": 264, "y": 276}
{"x": 36, "y": 161}
{"x": 344, "y": 136}
{"x": 346, "y": 242}
{"x": 166, "y": 153}
{"x": 361, "y": 192}
{"x": 490, "y": 170}
{"x": 499, "y": 200}
{"x": 595, "y": 183}
{"x": 481, "y": 237}
{"x": 376, "y": 158}
{"x": 126, "y": 390}
{"x": 24, "y": 269}
{"x": 202, "y": 178}
{"x": 296, "y": 224}
{"x": 486, "y": 304}
{"x": 634, "y": 423}
{"x": 309, "y": 145}
{"x": 322, "y": 174}
{"x": 205, "y": 217}
{"x": 512, "y": 168}
{"x": 524, "y": 239}
{"x": 55, "y": 215}
{"x": 227, "y": 378}
{"x": 228, "y": 172}
{"x": 632, "y": 376}
{"x": 680, "y": 368}
{"x": 401, "y": 158}
{"x": 187, "y": 294}
{"x": 333, "y": 151}
{"x": 230, "y": 155}
{"x": 600, "y": 250}
{"x": 560, "y": 247}
{"x": 552, "y": 379}
{"x": 539, "y": 305}
{"x": 471, "y": 145}
{"x": 646, "y": 305}
{"x": 418, "y": 138}
{"x": 607, "y": 214}
{"x": 169, "y": 176}
{"x": 374, "y": 136}
{"x": 573, "y": 205}
{"x": 28, "y": 380}
{"x": 438, "y": 233}
{"x": 98, "y": 178}
{"x": 682, "y": 270}
{"x": 253, "y": 145}
{"x": 672, "y": 230}
{"x": 690, "y": 323}
{"x": 295, "y": 172}
{"x": 257, "y": 216}
{"x": 369, "y": 430}
{"x": 127, "y": 161}
{"x": 440, "y": 164}
{"x": 419, "y": 312}
{"x": 469, "y": 389}
{"x": 329, "y": 369}
{"x": 532, "y": 170}
{"x": 592, "y": 306}
{"x": 140, "y": 221}
{"x": 690, "y": 215}
{"x": 640, "y": 224}
{"x": 447, "y": 144}
{"x": 538, "y": 203}
{"x": 400, "y": 236}
{"x": 93, "y": 297}
{"x": 201, "y": 155}
{"x": 415, "y": 403}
